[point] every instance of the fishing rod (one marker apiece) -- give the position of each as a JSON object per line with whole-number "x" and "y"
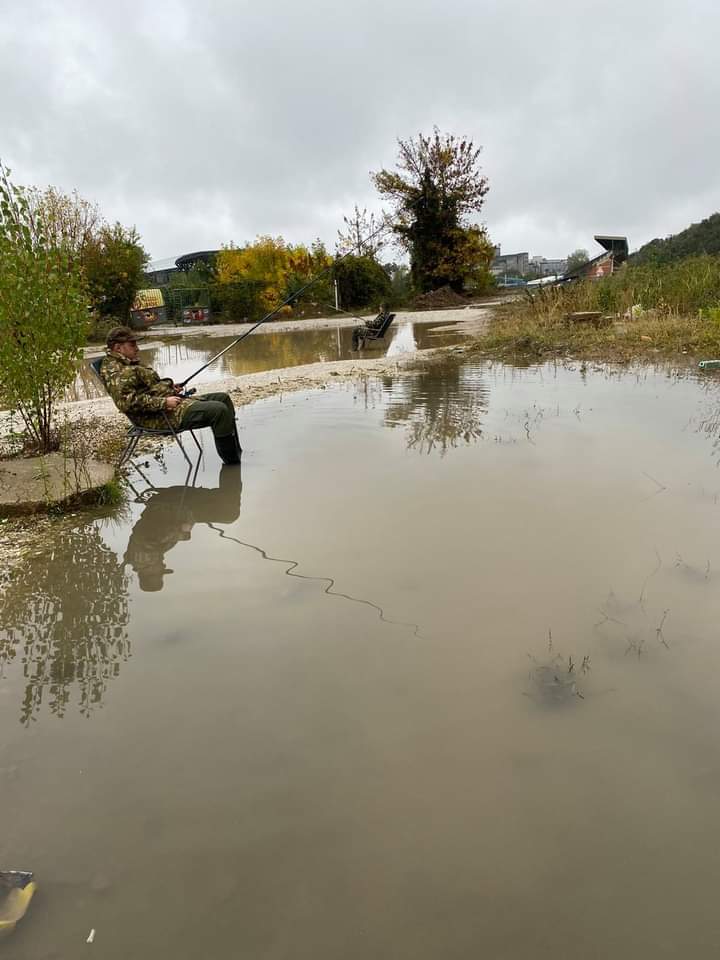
{"x": 356, "y": 246}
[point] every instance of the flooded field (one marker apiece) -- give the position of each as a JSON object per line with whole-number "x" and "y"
{"x": 270, "y": 351}
{"x": 435, "y": 675}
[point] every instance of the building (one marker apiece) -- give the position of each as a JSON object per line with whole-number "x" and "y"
{"x": 548, "y": 268}
{"x": 604, "y": 265}
{"x": 516, "y": 264}
{"x": 158, "y": 272}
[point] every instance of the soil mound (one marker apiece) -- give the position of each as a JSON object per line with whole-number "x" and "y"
{"x": 439, "y": 299}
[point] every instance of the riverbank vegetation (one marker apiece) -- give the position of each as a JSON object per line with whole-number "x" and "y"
{"x": 648, "y": 309}
{"x": 56, "y": 258}
{"x": 44, "y": 314}
{"x": 436, "y": 191}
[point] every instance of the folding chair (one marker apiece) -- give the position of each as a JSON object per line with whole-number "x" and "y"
{"x": 136, "y": 432}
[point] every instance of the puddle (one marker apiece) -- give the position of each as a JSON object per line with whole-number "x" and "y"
{"x": 433, "y": 675}
{"x": 272, "y": 351}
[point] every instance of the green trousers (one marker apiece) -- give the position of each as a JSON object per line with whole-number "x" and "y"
{"x": 214, "y": 410}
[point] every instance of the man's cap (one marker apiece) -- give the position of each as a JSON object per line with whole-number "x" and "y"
{"x": 121, "y": 335}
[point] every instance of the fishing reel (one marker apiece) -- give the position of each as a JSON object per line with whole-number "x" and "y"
{"x": 183, "y": 394}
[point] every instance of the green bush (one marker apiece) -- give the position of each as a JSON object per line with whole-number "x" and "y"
{"x": 44, "y": 315}
{"x": 362, "y": 282}
{"x": 238, "y": 301}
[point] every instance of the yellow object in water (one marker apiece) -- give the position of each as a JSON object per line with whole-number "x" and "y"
{"x": 16, "y": 891}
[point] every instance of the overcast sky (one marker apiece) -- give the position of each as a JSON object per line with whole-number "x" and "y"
{"x": 205, "y": 123}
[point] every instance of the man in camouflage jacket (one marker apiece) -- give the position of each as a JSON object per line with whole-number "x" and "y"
{"x": 156, "y": 404}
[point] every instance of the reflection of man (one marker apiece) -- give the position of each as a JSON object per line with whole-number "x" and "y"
{"x": 153, "y": 402}
{"x": 169, "y": 517}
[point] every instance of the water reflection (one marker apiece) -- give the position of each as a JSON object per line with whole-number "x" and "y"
{"x": 168, "y": 518}
{"x": 270, "y": 351}
{"x": 404, "y": 341}
{"x": 441, "y": 406}
{"x": 64, "y": 618}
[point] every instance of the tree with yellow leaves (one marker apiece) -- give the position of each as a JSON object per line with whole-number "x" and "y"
{"x": 274, "y": 268}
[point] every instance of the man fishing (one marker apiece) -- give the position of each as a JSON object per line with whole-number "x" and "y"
{"x": 156, "y": 403}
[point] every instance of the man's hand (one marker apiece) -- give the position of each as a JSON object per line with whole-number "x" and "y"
{"x": 172, "y": 402}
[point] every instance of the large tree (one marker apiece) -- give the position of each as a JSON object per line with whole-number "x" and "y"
{"x": 436, "y": 189}
{"x": 111, "y": 257}
{"x": 576, "y": 259}
{"x": 256, "y": 278}
{"x": 113, "y": 262}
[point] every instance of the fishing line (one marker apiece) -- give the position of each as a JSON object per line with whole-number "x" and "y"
{"x": 332, "y": 306}
{"x": 330, "y": 582}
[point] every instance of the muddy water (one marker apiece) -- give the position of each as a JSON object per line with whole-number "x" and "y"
{"x": 206, "y": 754}
{"x": 271, "y": 351}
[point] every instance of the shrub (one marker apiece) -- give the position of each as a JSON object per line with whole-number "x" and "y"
{"x": 362, "y": 282}
{"x": 44, "y": 315}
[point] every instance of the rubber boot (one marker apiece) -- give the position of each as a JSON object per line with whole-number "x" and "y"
{"x": 228, "y": 448}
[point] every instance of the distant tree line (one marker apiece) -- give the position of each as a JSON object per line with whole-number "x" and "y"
{"x": 695, "y": 240}
{"x": 435, "y": 192}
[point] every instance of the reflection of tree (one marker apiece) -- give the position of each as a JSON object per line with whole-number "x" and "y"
{"x": 65, "y": 614}
{"x": 441, "y": 406}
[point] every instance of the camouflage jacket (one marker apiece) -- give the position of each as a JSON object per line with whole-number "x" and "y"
{"x": 140, "y": 394}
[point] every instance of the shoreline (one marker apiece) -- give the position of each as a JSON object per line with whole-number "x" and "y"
{"x": 471, "y": 317}
{"x": 21, "y": 536}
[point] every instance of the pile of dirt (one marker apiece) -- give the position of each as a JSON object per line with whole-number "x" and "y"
{"x": 439, "y": 299}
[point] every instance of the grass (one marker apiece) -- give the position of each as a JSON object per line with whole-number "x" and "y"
{"x": 653, "y": 312}
{"x": 111, "y": 494}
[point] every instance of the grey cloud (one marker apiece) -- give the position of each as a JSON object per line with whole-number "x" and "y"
{"x": 208, "y": 123}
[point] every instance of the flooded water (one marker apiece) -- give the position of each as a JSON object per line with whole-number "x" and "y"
{"x": 434, "y": 675}
{"x": 271, "y": 351}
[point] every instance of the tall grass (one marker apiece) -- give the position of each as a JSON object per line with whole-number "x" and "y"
{"x": 685, "y": 287}
{"x": 673, "y": 308}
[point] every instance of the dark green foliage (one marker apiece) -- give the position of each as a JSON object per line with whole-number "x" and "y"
{"x": 576, "y": 259}
{"x": 197, "y": 277}
{"x": 698, "y": 238}
{"x": 238, "y": 301}
{"x": 401, "y": 288}
{"x": 432, "y": 224}
{"x": 362, "y": 282}
{"x": 202, "y": 270}
{"x": 113, "y": 262}
{"x": 438, "y": 188}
